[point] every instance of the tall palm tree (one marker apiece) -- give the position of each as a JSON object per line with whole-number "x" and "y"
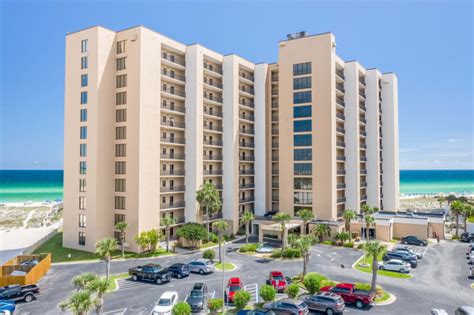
{"x": 468, "y": 211}
{"x": 348, "y": 215}
{"x": 221, "y": 226}
{"x": 369, "y": 220}
{"x": 321, "y": 231}
{"x": 247, "y": 218}
{"x": 80, "y": 282}
{"x": 440, "y": 199}
{"x": 282, "y": 219}
{"x": 306, "y": 215}
{"x": 79, "y": 303}
{"x": 457, "y": 208}
{"x": 167, "y": 221}
{"x": 375, "y": 249}
{"x": 121, "y": 227}
{"x": 304, "y": 244}
{"x": 209, "y": 200}
{"x": 104, "y": 248}
{"x": 99, "y": 287}
{"x": 450, "y": 199}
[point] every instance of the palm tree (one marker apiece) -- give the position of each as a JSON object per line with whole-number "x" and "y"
{"x": 349, "y": 215}
{"x": 304, "y": 244}
{"x": 167, "y": 221}
{"x": 450, "y": 199}
{"x": 375, "y": 249}
{"x": 209, "y": 200}
{"x": 79, "y": 303}
{"x": 247, "y": 218}
{"x": 342, "y": 236}
{"x": 104, "y": 248}
{"x": 99, "y": 287}
{"x": 80, "y": 282}
{"x": 369, "y": 220}
{"x": 440, "y": 199}
{"x": 221, "y": 226}
{"x": 468, "y": 212}
{"x": 457, "y": 208}
{"x": 121, "y": 227}
{"x": 283, "y": 219}
{"x": 306, "y": 215}
{"x": 321, "y": 231}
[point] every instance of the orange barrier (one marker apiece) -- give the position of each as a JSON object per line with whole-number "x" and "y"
{"x": 33, "y": 273}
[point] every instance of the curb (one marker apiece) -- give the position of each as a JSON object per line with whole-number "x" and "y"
{"x": 390, "y": 300}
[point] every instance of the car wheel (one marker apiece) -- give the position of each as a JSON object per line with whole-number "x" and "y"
{"x": 381, "y": 268}
{"x": 359, "y": 304}
{"x": 179, "y": 276}
{"x": 402, "y": 271}
{"x": 28, "y": 298}
{"x": 201, "y": 272}
{"x": 134, "y": 278}
{"x": 329, "y": 311}
{"x": 158, "y": 280}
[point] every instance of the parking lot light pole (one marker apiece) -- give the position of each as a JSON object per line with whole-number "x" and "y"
{"x": 223, "y": 277}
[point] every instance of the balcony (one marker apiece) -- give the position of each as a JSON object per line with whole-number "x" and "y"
{"x": 172, "y": 156}
{"x": 212, "y": 157}
{"x": 173, "y": 59}
{"x": 275, "y": 144}
{"x": 340, "y": 87}
{"x": 340, "y": 116}
{"x": 246, "y": 186}
{"x": 363, "y": 120}
{"x": 275, "y": 130}
{"x": 249, "y": 131}
{"x": 246, "y": 200}
{"x": 214, "y": 217}
{"x": 212, "y": 172}
{"x": 174, "y": 76}
{"x": 212, "y": 112}
{"x": 340, "y": 130}
{"x": 246, "y": 158}
{"x": 247, "y": 76}
{"x": 212, "y": 127}
{"x": 341, "y": 172}
{"x": 341, "y": 144}
{"x": 247, "y": 117}
{"x": 275, "y": 185}
{"x": 247, "y": 172}
{"x": 246, "y": 144}
{"x": 247, "y": 104}
{"x": 172, "y": 205}
{"x": 176, "y": 188}
{"x": 363, "y": 158}
{"x": 275, "y": 118}
{"x": 213, "y": 83}
{"x": 363, "y": 146}
{"x": 363, "y": 172}
{"x": 363, "y": 184}
{"x": 275, "y": 198}
{"x": 275, "y": 158}
{"x": 363, "y": 133}
{"x": 341, "y": 200}
{"x": 302, "y": 173}
{"x": 274, "y": 104}
{"x": 212, "y": 98}
{"x": 362, "y": 81}
{"x": 275, "y": 92}
{"x": 340, "y": 74}
{"x": 274, "y": 78}
{"x": 247, "y": 90}
{"x": 363, "y": 197}
{"x": 362, "y": 107}
{"x": 213, "y": 69}
{"x": 340, "y": 158}
{"x": 218, "y": 143}
{"x": 341, "y": 186}
{"x": 362, "y": 93}
{"x": 174, "y": 124}
{"x": 275, "y": 171}
{"x": 173, "y": 140}
{"x": 340, "y": 102}
{"x": 174, "y": 92}
{"x": 172, "y": 107}
{"x": 173, "y": 172}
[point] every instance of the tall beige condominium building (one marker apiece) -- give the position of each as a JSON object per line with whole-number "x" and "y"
{"x": 148, "y": 120}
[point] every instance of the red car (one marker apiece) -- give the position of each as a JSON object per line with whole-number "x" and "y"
{"x": 350, "y": 294}
{"x": 233, "y": 285}
{"x": 278, "y": 281}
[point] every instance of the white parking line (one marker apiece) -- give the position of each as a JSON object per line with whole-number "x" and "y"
{"x": 116, "y": 312}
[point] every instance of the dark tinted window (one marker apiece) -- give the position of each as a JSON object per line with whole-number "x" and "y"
{"x": 302, "y": 140}
{"x": 302, "y": 68}
{"x": 302, "y": 97}
{"x": 302, "y": 111}
{"x": 302, "y": 125}
{"x": 302, "y": 168}
{"x": 301, "y": 83}
{"x": 302, "y": 154}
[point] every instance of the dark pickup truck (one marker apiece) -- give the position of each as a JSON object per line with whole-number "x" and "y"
{"x": 150, "y": 272}
{"x": 19, "y": 293}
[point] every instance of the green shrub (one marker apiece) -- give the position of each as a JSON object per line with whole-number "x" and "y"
{"x": 362, "y": 286}
{"x": 181, "y": 308}
{"x": 349, "y": 245}
{"x": 229, "y": 237}
{"x": 213, "y": 237}
{"x": 292, "y": 290}
{"x": 252, "y": 248}
{"x": 193, "y": 232}
{"x": 327, "y": 283}
{"x": 328, "y": 242}
{"x": 241, "y": 298}
{"x": 276, "y": 253}
{"x": 312, "y": 282}
{"x": 267, "y": 292}
{"x": 215, "y": 305}
{"x": 291, "y": 253}
{"x": 455, "y": 237}
{"x": 360, "y": 246}
{"x": 209, "y": 254}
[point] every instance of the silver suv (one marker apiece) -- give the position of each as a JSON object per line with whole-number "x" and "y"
{"x": 201, "y": 266}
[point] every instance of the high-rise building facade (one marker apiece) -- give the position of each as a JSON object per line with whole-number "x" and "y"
{"x": 157, "y": 118}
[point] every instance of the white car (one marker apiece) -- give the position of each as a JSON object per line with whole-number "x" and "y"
{"x": 165, "y": 303}
{"x": 471, "y": 258}
{"x": 395, "y": 265}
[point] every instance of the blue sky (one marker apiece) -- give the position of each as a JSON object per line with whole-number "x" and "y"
{"x": 428, "y": 44}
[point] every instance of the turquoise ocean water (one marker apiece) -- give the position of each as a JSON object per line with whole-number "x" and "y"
{"x": 37, "y": 185}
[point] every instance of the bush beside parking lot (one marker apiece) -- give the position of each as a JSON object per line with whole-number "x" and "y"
{"x": 248, "y": 248}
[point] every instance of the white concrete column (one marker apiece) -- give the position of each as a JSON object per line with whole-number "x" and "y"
{"x": 260, "y": 75}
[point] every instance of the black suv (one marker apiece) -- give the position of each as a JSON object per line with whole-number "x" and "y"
{"x": 467, "y": 237}
{"x": 179, "y": 270}
{"x": 413, "y": 240}
{"x": 401, "y": 256}
{"x": 197, "y": 298}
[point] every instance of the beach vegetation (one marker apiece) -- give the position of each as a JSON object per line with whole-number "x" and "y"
{"x": 105, "y": 248}
{"x": 121, "y": 227}
{"x": 457, "y": 209}
{"x": 221, "y": 226}
{"x": 321, "y": 231}
{"x": 193, "y": 232}
{"x": 306, "y": 215}
{"x": 241, "y": 299}
{"x": 267, "y": 293}
{"x": 167, "y": 221}
{"x": 209, "y": 201}
{"x": 312, "y": 282}
{"x": 282, "y": 219}
{"x": 246, "y": 219}
{"x": 148, "y": 240}
{"x": 375, "y": 249}
{"x": 348, "y": 216}
{"x": 181, "y": 308}
{"x": 209, "y": 254}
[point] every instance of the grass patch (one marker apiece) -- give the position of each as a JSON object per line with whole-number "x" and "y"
{"x": 60, "y": 253}
{"x": 368, "y": 260}
{"x": 227, "y": 266}
{"x": 470, "y": 219}
{"x": 114, "y": 278}
{"x": 385, "y": 296}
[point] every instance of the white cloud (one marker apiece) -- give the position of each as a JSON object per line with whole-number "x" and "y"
{"x": 455, "y": 140}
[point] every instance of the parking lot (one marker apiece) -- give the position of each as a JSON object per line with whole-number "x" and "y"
{"x": 440, "y": 281}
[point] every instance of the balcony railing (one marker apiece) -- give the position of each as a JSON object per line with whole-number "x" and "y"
{"x": 363, "y": 184}
{"x": 363, "y": 120}
{"x": 214, "y": 157}
{"x": 247, "y": 103}
{"x": 341, "y": 200}
{"x": 248, "y": 199}
{"x": 340, "y": 73}
{"x": 172, "y": 188}
{"x": 275, "y": 144}
{"x": 173, "y": 91}
{"x": 247, "y": 117}
{"x": 362, "y": 107}
{"x": 247, "y": 90}
{"x": 274, "y": 78}
{"x": 249, "y": 131}
{"x": 363, "y": 158}
{"x": 362, "y": 93}
{"x": 303, "y": 173}
{"x": 341, "y": 186}
{"x": 212, "y": 97}
{"x": 340, "y": 116}
{"x": 173, "y": 75}
{"x": 247, "y": 76}
{"x": 244, "y": 186}
{"x": 274, "y": 104}
{"x": 341, "y": 130}
{"x": 172, "y": 205}
{"x": 213, "y": 127}
{"x": 362, "y": 81}
{"x": 275, "y": 92}
{"x": 341, "y": 172}
{"x": 363, "y": 133}
{"x": 247, "y": 144}
{"x": 363, "y": 172}
{"x": 275, "y": 118}
{"x": 275, "y": 131}
{"x": 176, "y": 124}
{"x": 212, "y": 172}
{"x": 246, "y": 158}
{"x": 173, "y": 59}
{"x": 173, "y": 107}
{"x": 275, "y": 184}
{"x": 341, "y": 144}
{"x": 363, "y": 197}
{"x": 173, "y": 140}
{"x": 340, "y": 102}
{"x": 219, "y": 143}
{"x": 363, "y": 146}
{"x": 213, "y": 112}
{"x": 213, "y": 83}
{"x": 340, "y": 87}
{"x": 340, "y": 158}
{"x": 275, "y": 158}
{"x": 172, "y": 156}
{"x": 246, "y": 172}
{"x": 173, "y": 172}
{"x": 213, "y": 68}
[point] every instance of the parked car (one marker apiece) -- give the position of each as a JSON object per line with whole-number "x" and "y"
{"x": 278, "y": 280}
{"x": 327, "y": 302}
{"x": 265, "y": 249}
{"x": 350, "y": 294}
{"x": 401, "y": 256}
{"x": 413, "y": 240}
{"x": 197, "y": 298}
{"x": 467, "y": 237}
{"x": 403, "y": 248}
{"x": 150, "y": 272}
{"x": 17, "y": 292}
{"x": 259, "y": 311}
{"x": 395, "y": 265}
{"x": 165, "y": 303}
{"x": 406, "y": 253}
{"x": 470, "y": 249}
{"x": 179, "y": 270}
{"x": 437, "y": 311}
{"x": 7, "y": 306}
{"x": 471, "y": 258}
{"x": 464, "y": 310}
{"x": 201, "y": 266}
{"x": 233, "y": 285}
{"x": 287, "y": 307}
{"x": 471, "y": 272}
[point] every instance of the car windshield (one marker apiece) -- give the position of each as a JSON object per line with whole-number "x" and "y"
{"x": 164, "y": 302}
{"x": 279, "y": 278}
{"x": 234, "y": 288}
{"x": 196, "y": 294}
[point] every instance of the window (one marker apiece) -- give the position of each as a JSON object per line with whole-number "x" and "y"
{"x": 82, "y": 167}
{"x": 120, "y": 150}
{"x": 121, "y": 81}
{"x": 121, "y": 98}
{"x": 120, "y": 167}
{"x": 82, "y": 185}
{"x": 302, "y": 169}
{"x": 82, "y": 220}
{"x": 302, "y": 140}
{"x": 302, "y": 83}
{"x": 84, "y": 45}
{"x": 302, "y": 68}
{"x": 120, "y": 133}
{"x": 82, "y": 203}
{"x": 117, "y": 237}
{"x": 83, "y": 149}
{"x": 83, "y": 114}
{"x": 302, "y": 154}
{"x": 303, "y": 198}
{"x": 121, "y": 47}
{"x": 302, "y": 125}
{"x": 84, "y": 62}
{"x": 82, "y": 238}
{"x": 83, "y": 132}
{"x": 302, "y": 97}
{"x": 119, "y": 218}
{"x": 119, "y": 202}
{"x": 302, "y": 111}
{"x": 84, "y": 79}
{"x": 120, "y": 184}
{"x": 303, "y": 183}
{"x": 121, "y": 63}
{"x": 121, "y": 115}
{"x": 83, "y": 98}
